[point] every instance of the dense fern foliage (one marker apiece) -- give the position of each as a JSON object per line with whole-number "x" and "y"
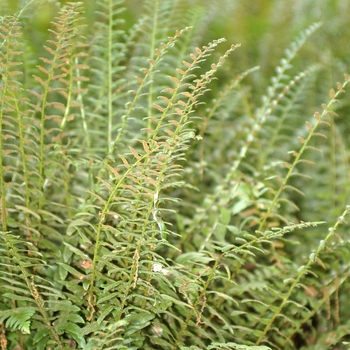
{"x": 165, "y": 188}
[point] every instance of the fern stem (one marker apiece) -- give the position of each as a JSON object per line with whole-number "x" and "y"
{"x": 82, "y": 108}
{"x": 2, "y": 172}
{"x": 110, "y": 77}
{"x": 151, "y": 54}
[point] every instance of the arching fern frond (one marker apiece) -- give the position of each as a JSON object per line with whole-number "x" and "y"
{"x": 20, "y": 285}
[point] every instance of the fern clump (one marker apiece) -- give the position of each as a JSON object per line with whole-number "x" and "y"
{"x": 157, "y": 195}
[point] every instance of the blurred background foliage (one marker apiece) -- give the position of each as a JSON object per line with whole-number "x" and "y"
{"x": 263, "y": 27}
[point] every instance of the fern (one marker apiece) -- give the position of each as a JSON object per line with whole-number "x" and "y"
{"x": 151, "y": 198}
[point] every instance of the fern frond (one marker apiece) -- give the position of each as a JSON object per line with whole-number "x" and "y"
{"x": 305, "y": 142}
{"x": 106, "y": 59}
{"x": 24, "y": 284}
{"x": 10, "y": 90}
{"x": 313, "y": 258}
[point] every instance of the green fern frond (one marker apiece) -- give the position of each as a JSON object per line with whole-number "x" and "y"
{"x": 25, "y": 287}
{"x": 18, "y": 319}
{"x": 313, "y": 258}
{"x": 305, "y": 142}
